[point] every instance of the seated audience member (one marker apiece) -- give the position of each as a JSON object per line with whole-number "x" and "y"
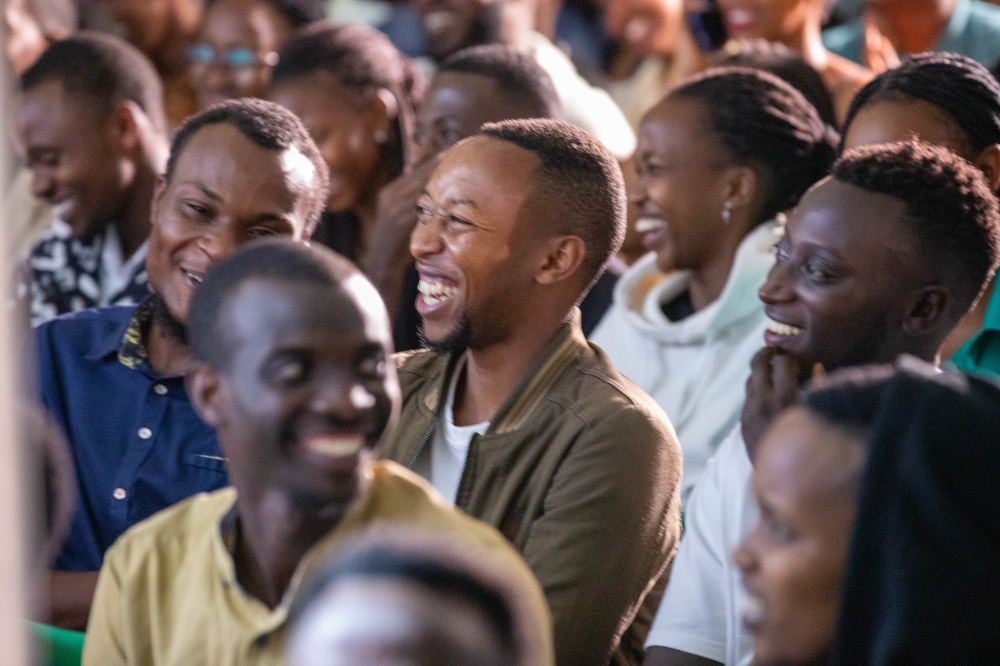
{"x": 94, "y": 135}
{"x": 952, "y": 101}
{"x": 883, "y": 258}
{"x": 787, "y": 65}
{"x": 453, "y": 25}
{"x": 113, "y": 378}
{"x": 298, "y": 393}
{"x": 413, "y": 598}
{"x": 511, "y": 414}
{"x": 164, "y": 31}
{"x": 894, "y": 561}
{"x": 479, "y": 85}
{"x": 718, "y": 160}
{"x": 239, "y": 45}
{"x": 893, "y": 28}
{"x": 797, "y": 25}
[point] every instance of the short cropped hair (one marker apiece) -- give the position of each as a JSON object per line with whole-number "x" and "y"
{"x": 269, "y": 259}
{"x": 949, "y": 208}
{"x": 105, "y": 69}
{"x": 579, "y": 178}
{"x": 518, "y": 76}
{"x": 961, "y": 87}
{"x": 268, "y": 125}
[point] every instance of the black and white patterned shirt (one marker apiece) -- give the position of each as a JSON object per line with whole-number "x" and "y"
{"x": 62, "y": 274}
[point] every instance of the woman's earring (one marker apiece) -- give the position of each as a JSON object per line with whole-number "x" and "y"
{"x": 727, "y": 212}
{"x": 381, "y": 137}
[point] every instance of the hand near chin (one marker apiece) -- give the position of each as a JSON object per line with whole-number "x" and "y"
{"x": 395, "y": 217}
{"x": 773, "y": 386}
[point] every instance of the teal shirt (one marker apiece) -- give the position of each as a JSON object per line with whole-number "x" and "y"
{"x": 973, "y": 31}
{"x": 981, "y": 354}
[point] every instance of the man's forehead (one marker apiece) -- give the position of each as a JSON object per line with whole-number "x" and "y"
{"x": 850, "y": 210}
{"x": 485, "y": 156}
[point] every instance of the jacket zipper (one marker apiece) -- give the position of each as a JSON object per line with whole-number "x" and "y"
{"x": 423, "y": 444}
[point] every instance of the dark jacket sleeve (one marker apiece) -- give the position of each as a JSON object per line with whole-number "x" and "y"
{"x": 610, "y": 526}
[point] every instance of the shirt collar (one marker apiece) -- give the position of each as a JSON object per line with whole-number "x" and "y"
{"x": 951, "y": 38}
{"x": 125, "y": 340}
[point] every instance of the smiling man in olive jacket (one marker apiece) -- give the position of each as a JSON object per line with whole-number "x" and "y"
{"x": 511, "y": 413}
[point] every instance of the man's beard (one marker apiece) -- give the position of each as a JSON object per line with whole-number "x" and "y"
{"x": 456, "y": 342}
{"x": 168, "y": 324}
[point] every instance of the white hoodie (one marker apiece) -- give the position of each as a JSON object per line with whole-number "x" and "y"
{"x": 696, "y": 368}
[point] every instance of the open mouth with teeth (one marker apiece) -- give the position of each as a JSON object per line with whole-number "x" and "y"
{"x": 648, "y": 224}
{"x": 753, "y": 613}
{"x": 440, "y": 21}
{"x": 193, "y": 278}
{"x": 778, "y": 328}
{"x": 336, "y": 446}
{"x": 435, "y": 292}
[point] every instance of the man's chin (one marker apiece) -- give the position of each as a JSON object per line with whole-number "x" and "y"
{"x": 453, "y": 342}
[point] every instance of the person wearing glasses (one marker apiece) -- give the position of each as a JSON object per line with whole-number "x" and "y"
{"x": 238, "y": 45}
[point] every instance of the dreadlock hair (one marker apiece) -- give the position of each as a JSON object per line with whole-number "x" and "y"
{"x": 959, "y": 86}
{"x": 361, "y": 59}
{"x": 766, "y": 124}
{"x": 105, "y": 69}
{"x": 267, "y": 125}
{"x": 951, "y": 213}
{"x": 518, "y": 76}
{"x": 577, "y": 176}
{"x": 787, "y": 65}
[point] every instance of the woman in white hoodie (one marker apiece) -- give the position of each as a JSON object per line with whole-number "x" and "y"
{"x": 719, "y": 159}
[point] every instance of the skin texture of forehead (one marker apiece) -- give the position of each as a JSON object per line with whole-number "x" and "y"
{"x": 488, "y": 171}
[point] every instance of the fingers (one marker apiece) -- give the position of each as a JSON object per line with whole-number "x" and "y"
{"x": 784, "y": 381}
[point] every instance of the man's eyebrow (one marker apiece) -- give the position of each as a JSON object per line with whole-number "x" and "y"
{"x": 453, "y": 202}
{"x": 198, "y": 185}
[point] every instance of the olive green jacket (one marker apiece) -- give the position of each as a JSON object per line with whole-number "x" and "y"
{"x": 581, "y": 471}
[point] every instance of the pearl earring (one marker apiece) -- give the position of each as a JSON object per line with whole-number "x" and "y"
{"x": 727, "y": 212}
{"x": 381, "y": 137}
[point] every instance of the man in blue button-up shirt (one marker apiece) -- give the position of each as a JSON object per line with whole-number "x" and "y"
{"x": 113, "y": 378}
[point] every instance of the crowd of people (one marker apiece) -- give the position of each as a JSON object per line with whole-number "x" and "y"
{"x": 509, "y": 333}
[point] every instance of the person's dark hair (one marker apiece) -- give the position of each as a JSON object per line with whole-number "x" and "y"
{"x": 269, "y": 126}
{"x": 949, "y": 208}
{"x": 298, "y": 13}
{"x": 787, "y": 65}
{"x": 766, "y": 124}
{"x": 517, "y": 75}
{"x": 579, "y": 178}
{"x": 959, "y": 86}
{"x": 105, "y": 69}
{"x": 849, "y": 398}
{"x": 269, "y": 259}
{"x": 443, "y": 568}
{"x": 360, "y": 59}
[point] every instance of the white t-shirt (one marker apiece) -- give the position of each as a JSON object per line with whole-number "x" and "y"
{"x": 443, "y": 462}
{"x": 702, "y": 608}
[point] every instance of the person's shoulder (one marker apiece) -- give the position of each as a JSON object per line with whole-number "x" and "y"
{"x": 165, "y": 538}
{"x": 86, "y": 328}
{"x": 986, "y": 14}
{"x": 417, "y": 367}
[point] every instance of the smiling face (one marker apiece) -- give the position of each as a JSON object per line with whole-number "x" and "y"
{"x": 773, "y": 20}
{"x": 245, "y": 31}
{"x": 309, "y": 388}
{"x": 681, "y": 186}
{"x": 472, "y": 249}
{"x": 225, "y": 191}
{"x": 455, "y": 107}
{"x": 805, "y": 480}
{"x": 343, "y": 127}
{"x": 76, "y": 158}
{"x": 843, "y": 282}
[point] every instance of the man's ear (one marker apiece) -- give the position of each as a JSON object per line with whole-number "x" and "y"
{"x": 382, "y": 110}
{"x": 204, "y": 387}
{"x": 562, "y": 259}
{"x": 929, "y": 307}
{"x": 988, "y": 161}
{"x": 129, "y": 124}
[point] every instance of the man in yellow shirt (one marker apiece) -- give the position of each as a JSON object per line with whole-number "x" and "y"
{"x": 291, "y": 347}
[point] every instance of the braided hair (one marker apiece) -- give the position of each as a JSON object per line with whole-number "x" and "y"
{"x": 361, "y": 59}
{"x": 768, "y": 125}
{"x": 959, "y": 86}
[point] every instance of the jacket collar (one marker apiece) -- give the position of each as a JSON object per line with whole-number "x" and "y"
{"x": 566, "y": 346}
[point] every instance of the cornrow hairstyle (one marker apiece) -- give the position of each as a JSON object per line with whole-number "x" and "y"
{"x": 517, "y": 75}
{"x": 959, "y": 86}
{"x": 268, "y": 125}
{"x": 766, "y": 124}
{"x": 951, "y": 212}
{"x": 787, "y": 65}
{"x": 105, "y": 69}
{"x": 361, "y": 59}
{"x": 268, "y": 259}
{"x": 579, "y": 177}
